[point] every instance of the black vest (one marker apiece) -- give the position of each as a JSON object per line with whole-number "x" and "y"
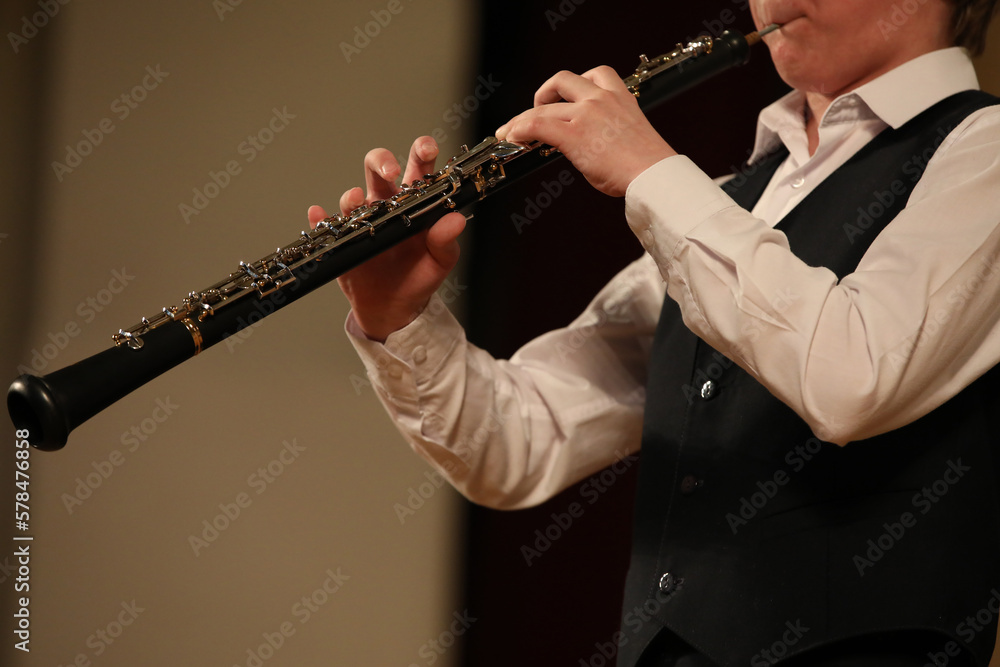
{"x": 753, "y": 540}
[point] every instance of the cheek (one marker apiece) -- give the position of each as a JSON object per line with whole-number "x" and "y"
{"x": 755, "y": 14}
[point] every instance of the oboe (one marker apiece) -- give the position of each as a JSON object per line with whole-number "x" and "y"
{"x": 51, "y": 406}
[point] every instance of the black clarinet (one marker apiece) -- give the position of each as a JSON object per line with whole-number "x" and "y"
{"x": 51, "y": 406}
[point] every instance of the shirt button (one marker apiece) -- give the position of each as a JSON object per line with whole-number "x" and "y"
{"x": 690, "y": 484}
{"x": 708, "y": 390}
{"x": 419, "y": 354}
{"x": 395, "y": 372}
{"x": 798, "y": 182}
{"x": 668, "y": 582}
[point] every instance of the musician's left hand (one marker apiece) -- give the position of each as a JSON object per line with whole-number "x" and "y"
{"x": 595, "y": 122}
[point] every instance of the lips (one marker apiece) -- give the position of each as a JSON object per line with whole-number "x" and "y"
{"x": 781, "y": 12}
{"x": 785, "y": 21}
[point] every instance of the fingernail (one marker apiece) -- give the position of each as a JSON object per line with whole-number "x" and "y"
{"x": 501, "y": 131}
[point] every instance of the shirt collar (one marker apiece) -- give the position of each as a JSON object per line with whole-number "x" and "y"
{"x": 893, "y": 98}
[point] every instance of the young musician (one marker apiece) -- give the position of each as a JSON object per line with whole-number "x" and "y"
{"x": 806, "y": 354}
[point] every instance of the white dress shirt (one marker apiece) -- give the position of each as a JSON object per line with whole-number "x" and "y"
{"x": 912, "y": 326}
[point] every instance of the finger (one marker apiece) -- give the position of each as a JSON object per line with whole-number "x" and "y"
{"x": 315, "y": 214}
{"x": 565, "y": 86}
{"x": 604, "y": 77}
{"x": 525, "y": 119}
{"x": 548, "y": 124}
{"x": 423, "y": 153}
{"x": 351, "y": 199}
{"x": 381, "y": 172}
{"x": 442, "y": 239}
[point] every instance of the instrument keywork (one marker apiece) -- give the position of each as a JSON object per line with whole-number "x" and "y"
{"x": 51, "y": 406}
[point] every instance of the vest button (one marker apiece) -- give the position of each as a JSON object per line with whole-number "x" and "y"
{"x": 668, "y": 582}
{"x": 708, "y": 390}
{"x": 690, "y": 484}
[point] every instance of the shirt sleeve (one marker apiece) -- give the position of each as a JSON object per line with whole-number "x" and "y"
{"x": 912, "y": 326}
{"x": 513, "y": 433}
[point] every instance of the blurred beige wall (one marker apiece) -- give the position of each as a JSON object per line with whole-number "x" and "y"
{"x": 284, "y": 417}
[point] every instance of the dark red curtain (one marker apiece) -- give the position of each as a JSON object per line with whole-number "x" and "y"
{"x": 545, "y": 584}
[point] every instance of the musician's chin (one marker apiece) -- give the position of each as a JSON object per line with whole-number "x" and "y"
{"x": 789, "y": 41}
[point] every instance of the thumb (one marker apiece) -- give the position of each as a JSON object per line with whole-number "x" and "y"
{"x": 442, "y": 240}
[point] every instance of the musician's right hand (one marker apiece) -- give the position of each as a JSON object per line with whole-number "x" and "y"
{"x": 390, "y": 290}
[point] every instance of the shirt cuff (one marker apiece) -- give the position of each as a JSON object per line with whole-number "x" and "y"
{"x": 410, "y": 356}
{"x": 668, "y": 200}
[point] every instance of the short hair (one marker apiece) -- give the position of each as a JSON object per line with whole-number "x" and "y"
{"x": 970, "y": 20}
